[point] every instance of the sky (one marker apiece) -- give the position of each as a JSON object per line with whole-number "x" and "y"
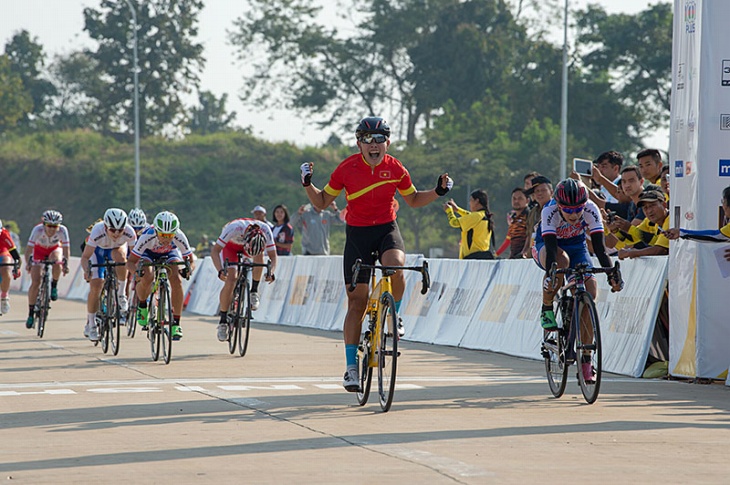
{"x": 58, "y": 26}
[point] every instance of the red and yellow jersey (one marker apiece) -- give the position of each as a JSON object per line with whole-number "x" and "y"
{"x": 6, "y": 242}
{"x": 369, "y": 190}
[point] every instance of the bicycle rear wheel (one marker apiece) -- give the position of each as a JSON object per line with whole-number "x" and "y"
{"x": 42, "y": 304}
{"x": 366, "y": 372}
{"x": 132, "y": 314}
{"x": 165, "y": 321}
{"x": 588, "y": 349}
{"x": 244, "y": 321}
{"x": 387, "y": 350}
{"x": 553, "y": 351}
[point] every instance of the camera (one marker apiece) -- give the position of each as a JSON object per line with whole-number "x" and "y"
{"x": 610, "y": 216}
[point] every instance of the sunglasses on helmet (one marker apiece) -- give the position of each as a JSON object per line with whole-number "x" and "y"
{"x": 372, "y": 138}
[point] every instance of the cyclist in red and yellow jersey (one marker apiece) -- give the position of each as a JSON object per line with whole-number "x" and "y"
{"x": 370, "y": 179}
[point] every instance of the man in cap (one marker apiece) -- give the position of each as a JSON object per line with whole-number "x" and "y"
{"x": 541, "y": 190}
{"x": 653, "y": 202}
{"x": 259, "y": 213}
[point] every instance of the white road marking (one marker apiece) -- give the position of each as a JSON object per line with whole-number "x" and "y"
{"x": 265, "y": 388}
{"x": 111, "y": 390}
{"x": 28, "y": 393}
{"x": 442, "y": 463}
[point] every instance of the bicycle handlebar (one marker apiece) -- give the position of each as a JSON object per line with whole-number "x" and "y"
{"x": 584, "y": 269}
{"x": 185, "y": 273}
{"x": 106, "y": 264}
{"x": 423, "y": 269}
{"x": 248, "y": 264}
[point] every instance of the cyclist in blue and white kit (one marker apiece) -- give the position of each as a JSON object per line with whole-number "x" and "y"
{"x": 108, "y": 241}
{"x": 162, "y": 240}
{"x": 561, "y": 237}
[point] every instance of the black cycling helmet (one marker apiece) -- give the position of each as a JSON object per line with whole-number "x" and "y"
{"x": 374, "y": 125}
{"x": 570, "y": 193}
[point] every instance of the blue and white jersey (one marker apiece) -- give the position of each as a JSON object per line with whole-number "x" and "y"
{"x": 569, "y": 234}
{"x": 100, "y": 238}
{"x": 148, "y": 241}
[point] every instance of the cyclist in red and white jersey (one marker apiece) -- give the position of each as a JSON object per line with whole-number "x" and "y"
{"x": 48, "y": 240}
{"x": 249, "y": 237}
{"x": 8, "y": 254}
{"x": 370, "y": 179}
{"x": 107, "y": 241}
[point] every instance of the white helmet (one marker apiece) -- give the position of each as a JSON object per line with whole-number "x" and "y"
{"x": 52, "y": 217}
{"x": 115, "y": 218}
{"x": 254, "y": 240}
{"x": 137, "y": 218}
{"x": 166, "y": 222}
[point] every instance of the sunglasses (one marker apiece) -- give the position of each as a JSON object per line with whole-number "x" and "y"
{"x": 572, "y": 210}
{"x": 372, "y": 138}
{"x": 114, "y": 230}
{"x": 52, "y": 226}
{"x": 166, "y": 234}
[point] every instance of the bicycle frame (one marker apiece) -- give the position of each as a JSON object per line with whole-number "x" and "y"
{"x": 378, "y": 348}
{"x": 239, "y": 318}
{"x": 108, "y": 311}
{"x": 43, "y": 300}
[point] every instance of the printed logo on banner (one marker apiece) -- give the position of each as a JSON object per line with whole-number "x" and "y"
{"x": 725, "y": 122}
{"x": 688, "y": 168}
{"x": 678, "y": 168}
{"x": 726, "y": 72}
{"x": 691, "y": 122}
{"x": 724, "y": 168}
{"x": 680, "y": 76}
{"x": 678, "y": 124}
{"x": 690, "y": 16}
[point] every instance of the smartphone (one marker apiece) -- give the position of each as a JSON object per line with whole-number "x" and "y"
{"x": 583, "y": 166}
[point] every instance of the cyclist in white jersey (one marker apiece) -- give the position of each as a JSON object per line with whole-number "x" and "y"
{"x": 48, "y": 240}
{"x": 249, "y": 237}
{"x": 107, "y": 241}
{"x": 162, "y": 240}
{"x": 562, "y": 237}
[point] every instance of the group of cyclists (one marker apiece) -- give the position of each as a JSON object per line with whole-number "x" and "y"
{"x": 370, "y": 179}
{"x": 131, "y": 240}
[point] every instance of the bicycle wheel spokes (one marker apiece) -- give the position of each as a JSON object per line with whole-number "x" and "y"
{"x": 104, "y": 318}
{"x": 588, "y": 349}
{"x": 41, "y": 311}
{"x": 366, "y": 372}
{"x": 234, "y": 313}
{"x": 165, "y": 323}
{"x": 132, "y": 315}
{"x": 244, "y": 321}
{"x": 153, "y": 331}
{"x": 556, "y": 368}
{"x": 387, "y": 350}
{"x": 113, "y": 320}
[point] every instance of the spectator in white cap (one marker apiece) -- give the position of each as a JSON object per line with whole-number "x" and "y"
{"x": 259, "y": 213}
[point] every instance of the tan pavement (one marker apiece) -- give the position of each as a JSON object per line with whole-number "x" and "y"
{"x": 70, "y": 414}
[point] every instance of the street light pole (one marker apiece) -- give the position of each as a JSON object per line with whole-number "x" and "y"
{"x": 564, "y": 100}
{"x": 137, "y": 202}
{"x": 472, "y": 162}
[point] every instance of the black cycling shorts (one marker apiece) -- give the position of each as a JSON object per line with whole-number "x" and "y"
{"x": 362, "y": 242}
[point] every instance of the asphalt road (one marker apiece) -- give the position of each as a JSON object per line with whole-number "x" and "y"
{"x": 70, "y": 414}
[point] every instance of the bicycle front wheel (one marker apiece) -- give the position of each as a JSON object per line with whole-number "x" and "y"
{"x": 42, "y": 303}
{"x": 588, "y": 348}
{"x": 244, "y": 322}
{"x": 234, "y": 313}
{"x": 104, "y": 317}
{"x": 153, "y": 330}
{"x": 387, "y": 350}
{"x": 366, "y": 372}
{"x": 113, "y": 318}
{"x": 165, "y": 322}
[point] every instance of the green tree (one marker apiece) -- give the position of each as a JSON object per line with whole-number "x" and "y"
{"x": 211, "y": 115}
{"x": 15, "y": 101}
{"x": 80, "y": 94}
{"x": 169, "y": 61}
{"x": 27, "y": 61}
{"x": 633, "y": 54}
